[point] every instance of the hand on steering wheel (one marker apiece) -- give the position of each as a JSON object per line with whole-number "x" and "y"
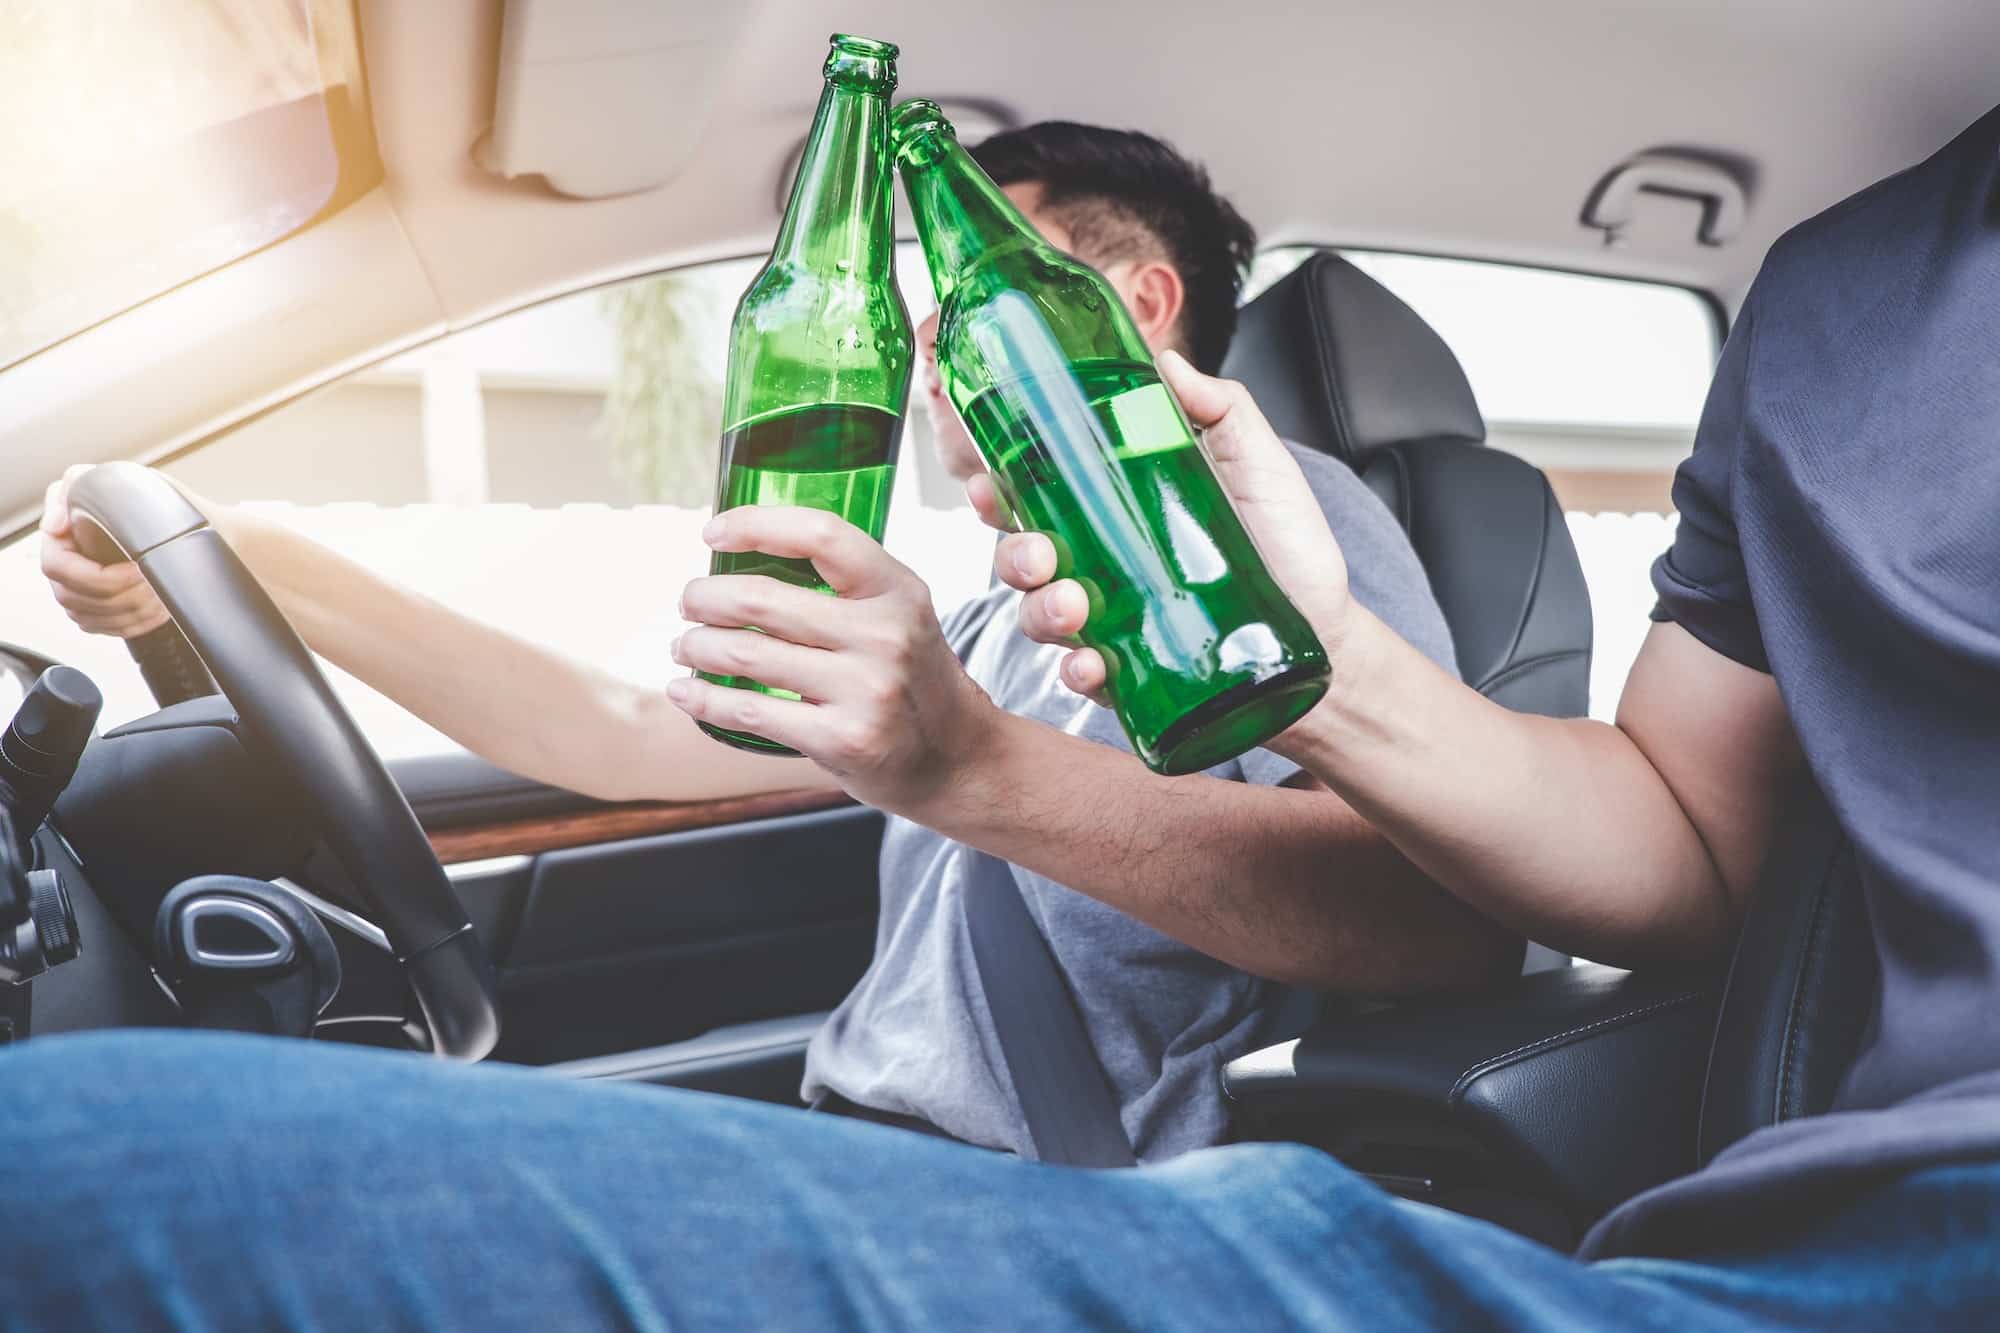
{"x": 124, "y": 511}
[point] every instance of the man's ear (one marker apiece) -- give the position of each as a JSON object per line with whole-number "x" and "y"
{"x": 1155, "y": 295}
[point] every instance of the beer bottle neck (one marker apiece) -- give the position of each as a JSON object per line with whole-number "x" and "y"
{"x": 840, "y": 214}
{"x": 961, "y": 215}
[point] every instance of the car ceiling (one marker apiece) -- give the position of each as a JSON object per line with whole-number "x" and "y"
{"x": 1473, "y": 127}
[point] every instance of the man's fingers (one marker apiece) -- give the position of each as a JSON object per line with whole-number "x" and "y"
{"x": 62, "y": 563}
{"x": 118, "y": 624}
{"x": 1026, "y": 560}
{"x": 55, "y": 500}
{"x": 1205, "y": 399}
{"x": 986, "y": 502}
{"x": 122, "y": 627}
{"x": 757, "y": 601}
{"x": 55, "y": 509}
{"x": 789, "y": 722}
{"x": 1055, "y": 614}
{"x": 1234, "y": 428}
{"x": 138, "y": 602}
{"x": 1083, "y": 671}
{"x": 812, "y": 672}
{"x": 853, "y": 563}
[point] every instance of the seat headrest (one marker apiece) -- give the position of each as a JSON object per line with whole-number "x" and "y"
{"x": 1339, "y": 364}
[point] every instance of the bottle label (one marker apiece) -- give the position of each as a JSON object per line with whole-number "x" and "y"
{"x": 1147, "y": 421}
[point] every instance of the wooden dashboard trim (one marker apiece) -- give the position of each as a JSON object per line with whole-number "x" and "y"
{"x": 612, "y": 823}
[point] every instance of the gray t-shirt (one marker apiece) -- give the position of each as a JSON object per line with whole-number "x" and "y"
{"x": 915, "y": 1038}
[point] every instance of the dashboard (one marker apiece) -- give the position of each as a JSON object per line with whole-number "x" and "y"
{"x": 155, "y": 875}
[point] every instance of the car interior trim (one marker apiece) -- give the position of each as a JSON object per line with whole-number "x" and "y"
{"x": 616, "y": 823}
{"x": 356, "y": 925}
{"x": 490, "y": 867}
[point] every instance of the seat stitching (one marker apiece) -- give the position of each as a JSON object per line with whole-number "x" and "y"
{"x": 1534, "y": 583}
{"x": 1322, "y": 336}
{"x": 1794, "y": 1025}
{"x": 1403, "y": 490}
{"x": 1487, "y": 1066}
{"x": 1542, "y": 659}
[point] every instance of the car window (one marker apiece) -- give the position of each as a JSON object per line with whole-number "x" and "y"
{"x": 548, "y": 471}
{"x": 1597, "y": 381}
{"x": 146, "y": 142}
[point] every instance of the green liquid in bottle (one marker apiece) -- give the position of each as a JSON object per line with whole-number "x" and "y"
{"x": 840, "y": 457}
{"x": 820, "y": 349}
{"x": 1206, "y": 656}
{"x": 1192, "y": 633}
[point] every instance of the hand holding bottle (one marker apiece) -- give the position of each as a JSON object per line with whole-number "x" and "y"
{"x": 1263, "y": 482}
{"x": 883, "y": 705}
{"x": 819, "y": 348}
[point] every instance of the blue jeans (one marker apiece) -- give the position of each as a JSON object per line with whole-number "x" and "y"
{"x": 221, "y": 1182}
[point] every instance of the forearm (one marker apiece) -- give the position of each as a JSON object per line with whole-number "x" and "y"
{"x": 1284, "y": 883}
{"x": 527, "y": 708}
{"x": 1561, "y": 828}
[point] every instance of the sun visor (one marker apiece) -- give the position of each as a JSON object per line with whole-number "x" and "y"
{"x": 606, "y": 97}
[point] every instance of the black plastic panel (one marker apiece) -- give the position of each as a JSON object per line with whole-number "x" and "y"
{"x": 1576, "y": 1088}
{"x": 764, "y": 1061}
{"x": 572, "y": 1011}
{"x": 108, "y": 984}
{"x": 174, "y": 795}
{"x": 654, "y": 940}
{"x": 624, "y": 897}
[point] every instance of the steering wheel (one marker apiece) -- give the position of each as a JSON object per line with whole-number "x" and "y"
{"x": 124, "y": 511}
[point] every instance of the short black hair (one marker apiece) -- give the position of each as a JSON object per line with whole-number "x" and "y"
{"x": 1115, "y": 190}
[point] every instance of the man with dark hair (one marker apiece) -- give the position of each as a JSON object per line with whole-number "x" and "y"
{"x": 1122, "y": 197}
{"x": 1174, "y": 909}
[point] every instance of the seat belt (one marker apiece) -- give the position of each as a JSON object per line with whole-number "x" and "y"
{"x": 1065, "y": 1095}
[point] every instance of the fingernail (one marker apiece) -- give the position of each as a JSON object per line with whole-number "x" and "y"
{"x": 674, "y": 651}
{"x": 680, "y": 691}
{"x": 711, "y": 530}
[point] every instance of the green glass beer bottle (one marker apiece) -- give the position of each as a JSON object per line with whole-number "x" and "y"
{"x": 1205, "y": 657}
{"x": 820, "y": 350}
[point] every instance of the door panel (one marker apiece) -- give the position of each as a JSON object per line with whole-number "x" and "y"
{"x": 697, "y": 944}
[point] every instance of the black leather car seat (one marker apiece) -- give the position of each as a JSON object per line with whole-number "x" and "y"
{"x": 1341, "y": 365}
{"x": 1545, "y": 1106}
{"x": 1802, "y": 987}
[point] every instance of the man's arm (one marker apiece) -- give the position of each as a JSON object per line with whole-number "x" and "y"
{"x": 1283, "y": 882}
{"x": 525, "y": 707}
{"x": 1626, "y": 843}
{"x": 1631, "y": 843}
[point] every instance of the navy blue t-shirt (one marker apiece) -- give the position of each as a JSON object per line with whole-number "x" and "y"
{"x": 1840, "y": 529}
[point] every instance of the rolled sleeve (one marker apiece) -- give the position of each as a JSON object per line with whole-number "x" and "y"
{"x": 1700, "y": 580}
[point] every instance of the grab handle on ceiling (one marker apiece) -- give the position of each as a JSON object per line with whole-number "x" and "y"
{"x": 1719, "y": 191}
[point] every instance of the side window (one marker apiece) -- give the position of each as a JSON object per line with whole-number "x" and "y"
{"x": 548, "y": 472}
{"x": 108, "y": 112}
{"x": 1597, "y": 381}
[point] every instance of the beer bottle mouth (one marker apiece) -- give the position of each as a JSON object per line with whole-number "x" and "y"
{"x": 861, "y": 62}
{"x": 915, "y": 121}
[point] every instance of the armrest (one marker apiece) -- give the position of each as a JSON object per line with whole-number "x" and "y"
{"x": 1571, "y": 1090}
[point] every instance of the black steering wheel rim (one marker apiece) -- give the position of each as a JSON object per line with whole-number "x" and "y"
{"x": 122, "y": 510}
